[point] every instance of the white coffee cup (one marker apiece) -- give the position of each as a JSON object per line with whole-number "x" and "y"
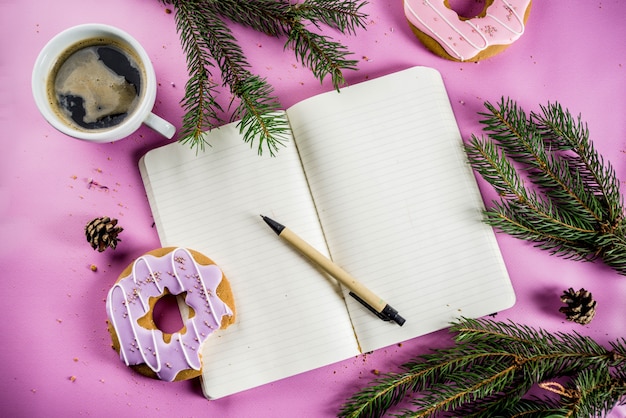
{"x": 64, "y": 44}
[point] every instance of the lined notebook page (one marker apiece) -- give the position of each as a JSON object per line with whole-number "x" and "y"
{"x": 290, "y": 318}
{"x": 399, "y": 205}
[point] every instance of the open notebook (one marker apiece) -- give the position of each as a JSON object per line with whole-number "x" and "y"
{"x": 376, "y": 178}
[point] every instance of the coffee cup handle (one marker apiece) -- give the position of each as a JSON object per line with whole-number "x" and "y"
{"x": 160, "y": 125}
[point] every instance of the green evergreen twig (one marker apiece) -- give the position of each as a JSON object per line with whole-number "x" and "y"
{"x": 210, "y": 48}
{"x": 568, "y": 199}
{"x": 490, "y": 370}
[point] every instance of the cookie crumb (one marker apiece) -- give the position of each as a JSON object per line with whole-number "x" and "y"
{"x": 72, "y": 378}
{"x": 376, "y": 372}
{"x": 93, "y": 267}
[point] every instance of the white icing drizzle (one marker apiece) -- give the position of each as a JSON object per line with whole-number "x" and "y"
{"x": 156, "y": 368}
{"x": 510, "y": 29}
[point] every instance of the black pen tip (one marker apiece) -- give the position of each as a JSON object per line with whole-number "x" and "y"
{"x": 276, "y": 227}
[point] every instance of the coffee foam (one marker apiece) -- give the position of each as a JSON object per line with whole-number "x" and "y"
{"x": 104, "y": 93}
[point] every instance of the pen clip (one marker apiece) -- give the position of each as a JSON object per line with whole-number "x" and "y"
{"x": 374, "y": 311}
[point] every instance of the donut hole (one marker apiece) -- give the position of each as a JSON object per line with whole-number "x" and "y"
{"x": 468, "y": 9}
{"x": 167, "y": 315}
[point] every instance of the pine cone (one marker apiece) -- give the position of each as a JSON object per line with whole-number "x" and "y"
{"x": 102, "y": 233}
{"x": 581, "y": 307}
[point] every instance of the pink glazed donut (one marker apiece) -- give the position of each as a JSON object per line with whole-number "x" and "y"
{"x": 130, "y": 307}
{"x": 450, "y": 36}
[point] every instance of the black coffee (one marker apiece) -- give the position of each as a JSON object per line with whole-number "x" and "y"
{"x": 97, "y": 86}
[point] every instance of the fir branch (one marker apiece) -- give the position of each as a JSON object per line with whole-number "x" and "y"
{"x": 522, "y": 212}
{"x": 492, "y": 367}
{"x": 571, "y": 205}
{"x": 323, "y": 56}
{"x": 342, "y": 15}
{"x": 531, "y": 408}
{"x": 320, "y": 54}
{"x": 559, "y": 129}
{"x": 208, "y": 42}
{"x": 592, "y": 393}
{"x": 211, "y": 47}
{"x": 199, "y": 101}
{"x": 270, "y": 17}
{"x": 275, "y": 18}
{"x": 549, "y": 233}
{"x": 522, "y": 142}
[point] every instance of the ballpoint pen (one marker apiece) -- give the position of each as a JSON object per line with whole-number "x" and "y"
{"x": 357, "y": 290}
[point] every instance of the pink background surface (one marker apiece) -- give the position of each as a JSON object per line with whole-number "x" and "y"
{"x": 52, "y": 314}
